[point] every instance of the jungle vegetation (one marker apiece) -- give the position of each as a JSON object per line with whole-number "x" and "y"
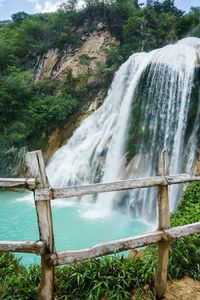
{"x": 30, "y": 110}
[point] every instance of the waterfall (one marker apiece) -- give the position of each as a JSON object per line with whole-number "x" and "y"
{"x": 149, "y": 107}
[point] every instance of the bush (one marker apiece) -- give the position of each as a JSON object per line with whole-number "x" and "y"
{"x": 17, "y": 282}
{"x": 185, "y": 252}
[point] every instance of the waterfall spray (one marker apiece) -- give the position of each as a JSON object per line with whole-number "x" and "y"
{"x": 147, "y": 109}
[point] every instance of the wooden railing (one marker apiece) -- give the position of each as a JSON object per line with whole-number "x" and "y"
{"x": 37, "y": 182}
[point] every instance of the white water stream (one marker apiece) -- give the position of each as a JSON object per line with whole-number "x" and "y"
{"x": 160, "y": 82}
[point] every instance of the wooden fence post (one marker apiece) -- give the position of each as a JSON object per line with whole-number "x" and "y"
{"x": 163, "y": 223}
{"x": 36, "y": 168}
{"x": 196, "y": 163}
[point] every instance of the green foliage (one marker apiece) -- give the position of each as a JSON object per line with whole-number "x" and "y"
{"x": 17, "y": 282}
{"x": 112, "y": 278}
{"x": 190, "y": 22}
{"x": 136, "y": 27}
{"x": 20, "y": 16}
{"x": 185, "y": 252}
{"x": 184, "y": 258}
{"x": 189, "y": 206}
{"x": 69, "y": 6}
{"x": 30, "y": 110}
{"x": 84, "y": 60}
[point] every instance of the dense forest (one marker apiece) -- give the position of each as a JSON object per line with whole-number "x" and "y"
{"x": 29, "y": 109}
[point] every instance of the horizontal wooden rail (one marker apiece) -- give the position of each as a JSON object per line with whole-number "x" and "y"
{"x": 28, "y": 183}
{"x": 37, "y": 247}
{"x": 80, "y": 190}
{"x": 120, "y": 245}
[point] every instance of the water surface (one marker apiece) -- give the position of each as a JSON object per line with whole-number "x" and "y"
{"x": 76, "y": 225}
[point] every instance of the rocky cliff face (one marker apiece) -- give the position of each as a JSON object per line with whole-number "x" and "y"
{"x": 55, "y": 63}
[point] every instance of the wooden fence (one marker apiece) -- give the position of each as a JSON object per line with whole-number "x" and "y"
{"x": 37, "y": 182}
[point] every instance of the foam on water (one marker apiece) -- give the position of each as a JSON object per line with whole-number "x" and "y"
{"x": 71, "y": 229}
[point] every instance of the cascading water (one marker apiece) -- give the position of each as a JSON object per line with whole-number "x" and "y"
{"x": 147, "y": 108}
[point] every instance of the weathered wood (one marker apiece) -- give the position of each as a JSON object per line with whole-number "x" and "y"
{"x": 112, "y": 247}
{"x": 196, "y": 163}
{"x": 163, "y": 202}
{"x": 163, "y": 223}
{"x": 80, "y": 190}
{"x": 36, "y": 168}
{"x": 28, "y": 183}
{"x": 37, "y": 247}
{"x": 181, "y": 231}
{"x": 181, "y": 178}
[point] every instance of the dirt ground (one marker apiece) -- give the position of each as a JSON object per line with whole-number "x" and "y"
{"x": 184, "y": 289}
